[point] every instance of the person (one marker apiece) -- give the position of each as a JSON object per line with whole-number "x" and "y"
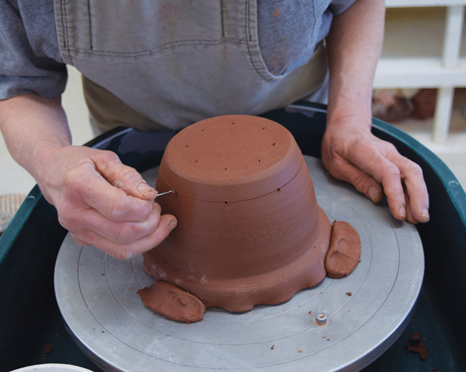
{"x": 164, "y": 64}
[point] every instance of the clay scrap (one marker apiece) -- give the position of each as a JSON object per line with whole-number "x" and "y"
{"x": 415, "y": 345}
{"x": 344, "y": 252}
{"x": 172, "y": 302}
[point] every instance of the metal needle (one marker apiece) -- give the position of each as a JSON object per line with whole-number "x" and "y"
{"x": 166, "y": 192}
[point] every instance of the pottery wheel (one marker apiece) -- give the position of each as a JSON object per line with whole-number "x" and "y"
{"x": 367, "y": 311}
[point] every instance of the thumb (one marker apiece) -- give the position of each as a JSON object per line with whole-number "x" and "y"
{"x": 124, "y": 177}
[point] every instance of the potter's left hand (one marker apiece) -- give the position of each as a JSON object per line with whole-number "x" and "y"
{"x": 351, "y": 153}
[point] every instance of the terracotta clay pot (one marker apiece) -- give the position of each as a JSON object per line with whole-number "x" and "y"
{"x": 249, "y": 230}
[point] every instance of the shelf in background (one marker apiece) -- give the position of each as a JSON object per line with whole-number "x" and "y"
{"x": 425, "y": 47}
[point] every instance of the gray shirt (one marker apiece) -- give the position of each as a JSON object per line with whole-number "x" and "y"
{"x": 30, "y": 59}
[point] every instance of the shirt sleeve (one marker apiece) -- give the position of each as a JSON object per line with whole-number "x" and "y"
{"x": 30, "y": 60}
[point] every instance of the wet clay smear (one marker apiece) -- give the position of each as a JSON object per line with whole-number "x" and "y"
{"x": 172, "y": 302}
{"x": 344, "y": 252}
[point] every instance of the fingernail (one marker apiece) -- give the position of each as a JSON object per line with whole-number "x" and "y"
{"x": 173, "y": 224}
{"x": 144, "y": 187}
{"x": 118, "y": 184}
{"x": 425, "y": 214}
{"x": 402, "y": 212}
{"x": 373, "y": 193}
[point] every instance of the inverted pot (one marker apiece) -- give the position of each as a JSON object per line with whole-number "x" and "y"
{"x": 249, "y": 230}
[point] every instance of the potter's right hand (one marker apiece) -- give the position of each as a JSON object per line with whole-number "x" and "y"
{"x": 103, "y": 202}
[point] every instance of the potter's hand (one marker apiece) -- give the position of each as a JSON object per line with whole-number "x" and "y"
{"x": 353, "y": 154}
{"x": 103, "y": 202}
{"x": 98, "y": 199}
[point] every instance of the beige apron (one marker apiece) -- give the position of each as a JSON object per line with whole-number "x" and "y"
{"x": 165, "y": 64}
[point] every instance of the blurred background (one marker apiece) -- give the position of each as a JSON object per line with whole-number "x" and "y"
{"x": 421, "y": 77}
{"x": 420, "y": 86}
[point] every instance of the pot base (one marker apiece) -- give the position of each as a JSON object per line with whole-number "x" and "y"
{"x": 242, "y": 294}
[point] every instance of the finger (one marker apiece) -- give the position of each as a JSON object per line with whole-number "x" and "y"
{"x": 128, "y": 250}
{"x": 409, "y": 215}
{"x": 84, "y": 184}
{"x": 122, "y": 176}
{"x": 417, "y": 196}
{"x": 117, "y": 232}
{"x": 79, "y": 241}
{"x": 388, "y": 174}
{"x": 363, "y": 182}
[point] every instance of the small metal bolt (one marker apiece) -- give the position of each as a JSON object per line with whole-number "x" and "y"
{"x": 321, "y": 319}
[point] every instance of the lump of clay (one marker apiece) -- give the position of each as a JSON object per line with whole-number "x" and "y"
{"x": 344, "y": 252}
{"x": 172, "y": 302}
